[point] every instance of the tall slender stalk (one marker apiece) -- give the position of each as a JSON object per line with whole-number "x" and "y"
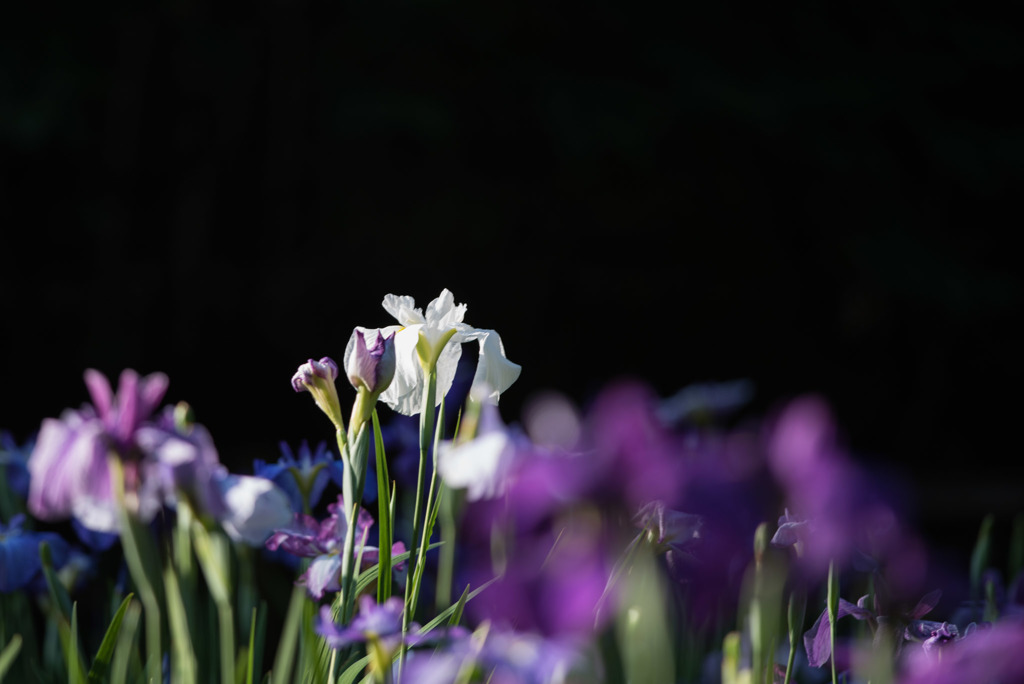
{"x": 833, "y": 610}
{"x": 418, "y": 520}
{"x": 135, "y": 559}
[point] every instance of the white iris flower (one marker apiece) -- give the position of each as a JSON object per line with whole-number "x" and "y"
{"x": 435, "y": 338}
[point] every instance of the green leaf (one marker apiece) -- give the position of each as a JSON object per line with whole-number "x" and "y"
{"x": 257, "y": 628}
{"x": 370, "y": 574}
{"x": 450, "y": 611}
{"x": 58, "y": 594}
{"x": 980, "y": 556}
{"x": 351, "y": 674}
{"x": 184, "y": 655}
{"x": 101, "y": 665}
{"x": 8, "y": 655}
{"x": 123, "y": 652}
{"x": 285, "y": 657}
{"x": 457, "y": 615}
{"x": 383, "y": 513}
{"x": 75, "y": 673}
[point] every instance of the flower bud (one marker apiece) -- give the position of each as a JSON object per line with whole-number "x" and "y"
{"x": 370, "y": 367}
{"x": 317, "y": 377}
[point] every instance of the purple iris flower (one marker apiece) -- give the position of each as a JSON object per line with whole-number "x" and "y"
{"x": 303, "y": 476}
{"x": 69, "y": 470}
{"x": 909, "y": 624}
{"x": 323, "y": 542}
{"x": 20, "y": 563}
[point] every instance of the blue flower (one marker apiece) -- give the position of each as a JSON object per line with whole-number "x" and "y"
{"x": 13, "y": 460}
{"x": 302, "y": 476}
{"x": 19, "y": 554}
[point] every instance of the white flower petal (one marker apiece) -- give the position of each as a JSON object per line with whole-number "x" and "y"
{"x": 403, "y": 309}
{"x": 493, "y": 369}
{"x": 479, "y": 466}
{"x": 255, "y": 507}
{"x": 405, "y": 393}
{"x": 443, "y": 313}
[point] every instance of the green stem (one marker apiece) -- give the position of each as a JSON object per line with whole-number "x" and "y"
{"x": 134, "y": 558}
{"x": 355, "y": 471}
{"x": 795, "y": 615}
{"x": 833, "y": 609}
{"x": 384, "y": 517}
{"x": 426, "y": 438}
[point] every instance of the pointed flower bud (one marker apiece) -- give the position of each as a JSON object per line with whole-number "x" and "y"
{"x": 370, "y": 366}
{"x": 317, "y": 377}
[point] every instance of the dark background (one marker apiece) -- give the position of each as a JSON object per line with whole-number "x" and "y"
{"x": 814, "y": 198}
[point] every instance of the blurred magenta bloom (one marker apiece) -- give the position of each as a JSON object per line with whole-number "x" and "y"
{"x": 500, "y": 657}
{"x": 835, "y": 511}
{"x": 984, "y": 656}
{"x": 552, "y": 582}
{"x": 631, "y": 457}
{"x": 374, "y": 622}
{"x": 70, "y": 474}
{"x": 672, "y": 533}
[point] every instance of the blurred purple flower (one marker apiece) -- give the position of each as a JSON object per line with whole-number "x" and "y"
{"x": 672, "y": 533}
{"x": 501, "y": 657}
{"x": 984, "y": 656}
{"x": 381, "y": 622}
{"x": 69, "y": 469}
{"x": 20, "y": 562}
{"x": 631, "y": 457}
{"x": 552, "y": 583}
{"x": 836, "y": 513}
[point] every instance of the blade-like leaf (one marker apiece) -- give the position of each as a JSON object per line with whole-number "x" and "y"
{"x": 58, "y": 594}
{"x": 450, "y": 611}
{"x": 370, "y": 574}
{"x": 101, "y": 665}
{"x": 123, "y": 652}
{"x": 457, "y": 615}
{"x": 351, "y": 674}
{"x": 9, "y": 653}
{"x": 182, "y": 651}
{"x": 383, "y": 513}
{"x": 289, "y": 636}
{"x": 75, "y": 673}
